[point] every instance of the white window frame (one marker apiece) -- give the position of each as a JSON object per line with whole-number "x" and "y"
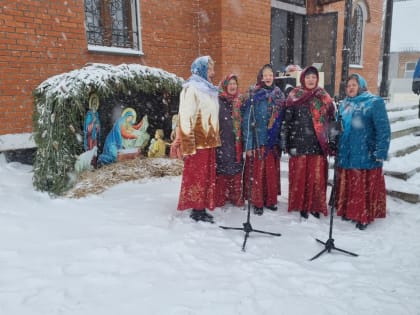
{"x": 408, "y": 74}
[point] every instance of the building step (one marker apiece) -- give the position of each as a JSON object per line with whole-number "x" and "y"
{"x": 403, "y": 115}
{"x": 403, "y": 167}
{"x": 407, "y": 190}
{"x": 404, "y": 145}
{"x": 400, "y": 107}
{"x": 404, "y": 128}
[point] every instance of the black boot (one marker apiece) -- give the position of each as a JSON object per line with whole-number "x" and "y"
{"x": 361, "y": 226}
{"x": 344, "y": 218}
{"x": 201, "y": 215}
{"x": 258, "y": 211}
{"x": 196, "y": 214}
{"x": 304, "y": 214}
{"x": 272, "y": 207}
{"x": 207, "y": 216}
{"x": 315, "y": 214}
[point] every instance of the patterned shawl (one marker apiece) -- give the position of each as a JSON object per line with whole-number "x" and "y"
{"x": 320, "y": 105}
{"x": 236, "y": 100}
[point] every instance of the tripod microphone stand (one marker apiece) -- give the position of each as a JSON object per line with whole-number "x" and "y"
{"x": 329, "y": 244}
{"x": 246, "y": 226}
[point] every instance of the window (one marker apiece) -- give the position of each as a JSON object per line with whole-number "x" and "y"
{"x": 409, "y": 69}
{"x": 357, "y": 32}
{"x": 113, "y": 25}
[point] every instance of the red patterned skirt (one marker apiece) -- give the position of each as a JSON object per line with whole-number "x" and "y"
{"x": 265, "y": 185}
{"x": 198, "y": 186}
{"x": 229, "y": 189}
{"x": 308, "y": 176}
{"x": 361, "y": 194}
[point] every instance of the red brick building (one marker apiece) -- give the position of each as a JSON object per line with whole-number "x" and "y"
{"x": 40, "y": 39}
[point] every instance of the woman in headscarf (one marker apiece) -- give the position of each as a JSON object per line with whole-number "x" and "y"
{"x": 262, "y": 116}
{"x": 199, "y": 131}
{"x": 362, "y": 148}
{"x": 229, "y": 155}
{"x": 309, "y": 111}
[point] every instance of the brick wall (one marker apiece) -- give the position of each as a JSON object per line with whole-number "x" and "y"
{"x": 245, "y": 39}
{"x": 404, "y": 58}
{"x": 39, "y": 39}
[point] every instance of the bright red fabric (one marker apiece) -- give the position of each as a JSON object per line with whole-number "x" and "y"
{"x": 361, "y": 194}
{"x": 229, "y": 189}
{"x": 265, "y": 183}
{"x": 198, "y": 186}
{"x": 308, "y": 175}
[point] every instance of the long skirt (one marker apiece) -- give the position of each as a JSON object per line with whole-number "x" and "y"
{"x": 265, "y": 182}
{"x": 308, "y": 176}
{"x": 229, "y": 189}
{"x": 198, "y": 186}
{"x": 361, "y": 194}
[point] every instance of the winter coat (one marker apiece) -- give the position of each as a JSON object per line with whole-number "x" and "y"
{"x": 366, "y": 135}
{"x": 227, "y": 160}
{"x": 198, "y": 116}
{"x": 307, "y": 119}
{"x": 268, "y": 115}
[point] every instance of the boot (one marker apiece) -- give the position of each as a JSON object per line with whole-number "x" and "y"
{"x": 315, "y": 214}
{"x": 196, "y": 214}
{"x": 272, "y": 207}
{"x": 258, "y": 211}
{"x": 207, "y": 217}
{"x": 361, "y": 226}
{"x": 304, "y": 214}
{"x": 201, "y": 215}
{"x": 344, "y": 218}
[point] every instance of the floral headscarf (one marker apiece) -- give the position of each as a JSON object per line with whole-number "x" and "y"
{"x": 199, "y": 69}
{"x": 236, "y": 101}
{"x": 275, "y": 101}
{"x": 320, "y": 105}
{"x": 200, "y": 66}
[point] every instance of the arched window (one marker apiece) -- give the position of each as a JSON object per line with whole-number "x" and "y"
{"x": 357, "y": 34}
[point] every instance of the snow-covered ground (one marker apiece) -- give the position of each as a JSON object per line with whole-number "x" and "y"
{"x": 128, "y": 251}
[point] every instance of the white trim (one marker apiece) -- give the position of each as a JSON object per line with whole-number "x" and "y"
{"x": 17, "y": 141}
{"x": 140, "y": 43}
{"x": 288, "y": 7}
{"x": 115, "y": 50}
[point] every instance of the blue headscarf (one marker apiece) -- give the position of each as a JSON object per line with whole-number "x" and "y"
{"x": 350, "y": 103}
{"x": 200, "y": 66}
{"x": 198, "y": 78}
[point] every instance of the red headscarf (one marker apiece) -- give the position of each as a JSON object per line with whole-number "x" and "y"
{"x": 236, "y": 100}
{"x": 320, "y": 104}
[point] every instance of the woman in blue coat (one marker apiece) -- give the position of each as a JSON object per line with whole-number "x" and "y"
{"x": 362, "y": 148}
{"x": 261, "y": 123}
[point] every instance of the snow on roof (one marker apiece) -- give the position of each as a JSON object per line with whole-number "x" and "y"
{"x": 67, "y": 85}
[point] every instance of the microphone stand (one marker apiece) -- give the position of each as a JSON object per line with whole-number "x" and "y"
{"x": 246, "y": 226}
{"x": 329, "y": 244}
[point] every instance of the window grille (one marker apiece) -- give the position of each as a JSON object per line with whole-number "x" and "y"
{"x": 357, "y": 28}
{"x": 113, "y": 23}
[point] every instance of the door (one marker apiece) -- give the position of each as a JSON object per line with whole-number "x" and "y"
{"x": 321, "y": 45}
